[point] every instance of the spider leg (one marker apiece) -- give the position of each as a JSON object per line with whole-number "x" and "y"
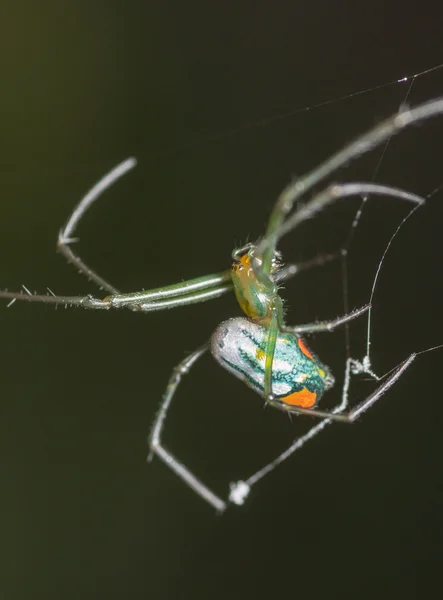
{"x": 354, "y": 413}
{"x": 66, "y": 234}
{"x": 320, "y": 326}
{"x": 288, "y": 271}
{"x": 273, "y": 330}
{"x": 187, "y": 292}
{"x": 336, "y": 192}
{"x": 192, "y": 291}
{"x": 155, "y": 442}
{"x": 361, "y": 145}
{"x": 240, "y": 489}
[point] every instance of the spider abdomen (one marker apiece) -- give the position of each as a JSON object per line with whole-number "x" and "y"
{"x": 298, "y": 378}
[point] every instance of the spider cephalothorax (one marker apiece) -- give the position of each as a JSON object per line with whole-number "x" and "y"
{"x": 254, "y": 294}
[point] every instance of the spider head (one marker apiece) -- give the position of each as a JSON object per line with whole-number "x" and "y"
{"x": 254, "y": 290}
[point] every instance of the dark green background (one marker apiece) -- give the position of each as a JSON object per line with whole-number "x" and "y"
{"x": 357, "y": 513}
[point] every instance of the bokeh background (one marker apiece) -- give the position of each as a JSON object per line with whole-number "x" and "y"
{"x": 222, "y": 103}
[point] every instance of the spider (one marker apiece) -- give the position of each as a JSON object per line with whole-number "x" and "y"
{"x": 258, "y": 348}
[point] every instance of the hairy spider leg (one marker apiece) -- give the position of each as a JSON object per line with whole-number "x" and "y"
{"x": 200, "y": 289}
{"x": 360, "y": 146}
{"x": 66, "y": 234}
{"x": 155, "y": 443}
{"x": 239, "y": 490}
{"x": 192, "y": 291}
{"x": 197, "y": 290}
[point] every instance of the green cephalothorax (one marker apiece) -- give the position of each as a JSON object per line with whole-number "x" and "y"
{"x": 257, "y": 298}
{"x": 257, "y": 294}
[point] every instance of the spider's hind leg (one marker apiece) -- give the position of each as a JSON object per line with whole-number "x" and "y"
{"x": 357, "y": 411}
{"x": 155, "y": 442}
{"x": 241, "y": 489}
{"x": 320, "y": 326}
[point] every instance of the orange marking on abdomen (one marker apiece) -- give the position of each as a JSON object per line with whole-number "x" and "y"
{"x": 303, "y": 348}
{"x": 304, "y": 398}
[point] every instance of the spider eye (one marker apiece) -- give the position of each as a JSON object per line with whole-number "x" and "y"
{"x": 237, "y": 267}
{"x": 241, "y": 263}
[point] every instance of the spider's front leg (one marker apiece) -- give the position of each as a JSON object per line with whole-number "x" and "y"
{"x": 241, "y": 489}
{"x": 66, "y": 234}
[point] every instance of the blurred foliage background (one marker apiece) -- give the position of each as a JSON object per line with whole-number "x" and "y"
{"x": 222, "y": 104}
